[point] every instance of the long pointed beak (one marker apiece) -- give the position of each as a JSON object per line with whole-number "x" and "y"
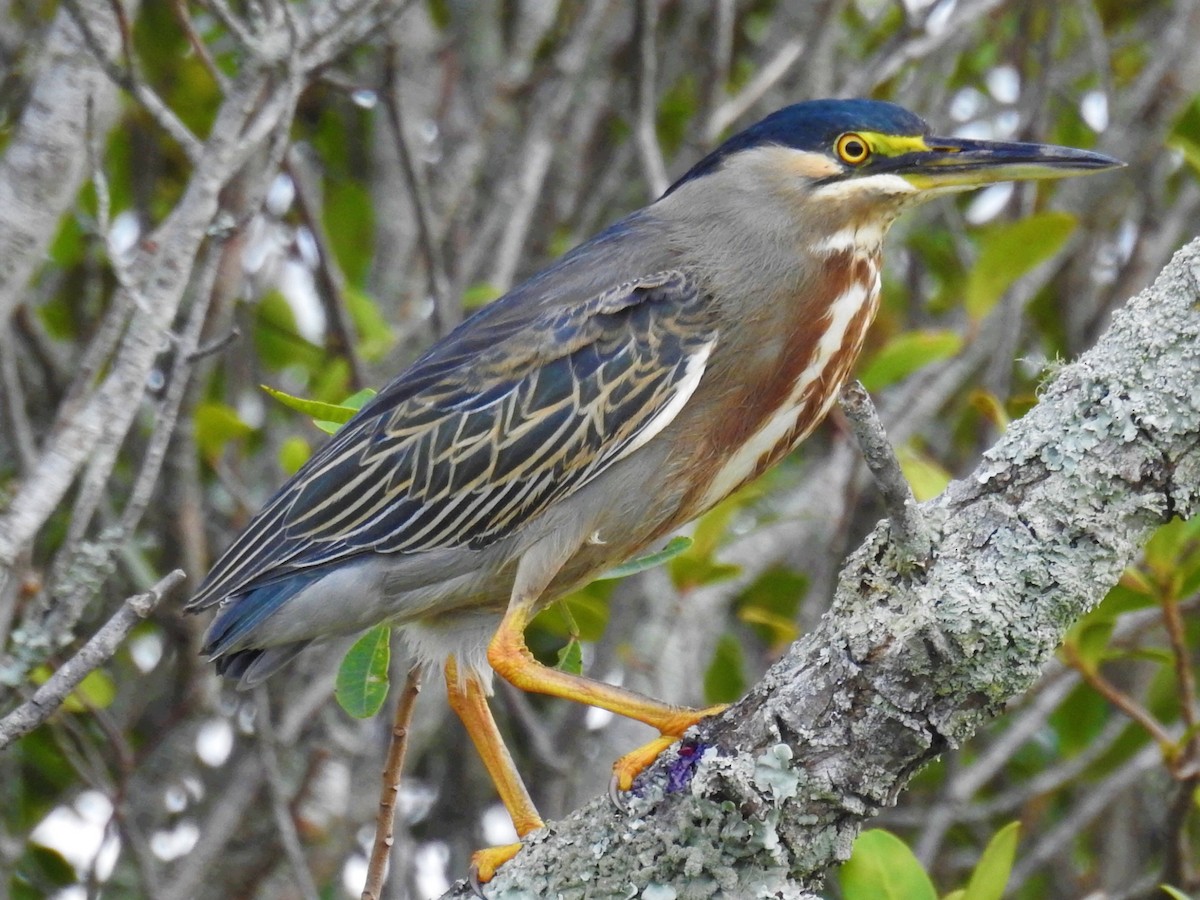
{"x": 954, "y": 163}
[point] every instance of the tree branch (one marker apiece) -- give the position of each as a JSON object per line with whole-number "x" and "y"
{"x": 911, "y": 662}
{"x": 908, "y": 530}
{"x": 95, "y": 653}
{"x": 45, "y": 159}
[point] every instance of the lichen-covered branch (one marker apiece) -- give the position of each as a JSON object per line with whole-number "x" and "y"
{"x": 45, "y": 160}
{"x": 912, "y": 661}
{"x": 95, "y": 653}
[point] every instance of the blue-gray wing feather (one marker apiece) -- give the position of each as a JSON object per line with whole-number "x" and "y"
{"x": 505, "y": 417}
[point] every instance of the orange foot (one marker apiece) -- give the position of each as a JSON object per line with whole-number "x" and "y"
{"x": 632, "y": 764}
{"x": 484, "y": 864}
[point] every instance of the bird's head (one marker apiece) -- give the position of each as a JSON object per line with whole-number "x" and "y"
{"x": 841, "y": 161}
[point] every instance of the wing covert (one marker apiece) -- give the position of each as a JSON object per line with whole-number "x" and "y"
{"x": 485, "y": 446}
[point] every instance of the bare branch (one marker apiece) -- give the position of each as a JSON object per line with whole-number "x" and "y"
{"x": 909, "y": 531}
{"x": 45, "y": 159}
{"x": 235, "y": 26}
{"x": 393, "y": 769}
{"x": 447, "y": 312}
{"x": 330, "y": 281}
{"x": 131, "y": 82}
{"x": 95, "y": 653}
{"x": 765, "y": 79}
{"x": 654, "y": 168}
{"x": 197, "y": 44}
{"x": 280, "y": 801}
{"x": 1123, "y": 702}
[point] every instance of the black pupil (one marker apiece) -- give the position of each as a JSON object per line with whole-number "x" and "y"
{"x": 854, "y": 149}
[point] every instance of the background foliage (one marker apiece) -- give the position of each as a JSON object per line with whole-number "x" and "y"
{"x": 524, "y": 128}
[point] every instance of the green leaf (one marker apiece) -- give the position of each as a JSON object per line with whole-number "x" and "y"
{"x": 362, "y": 679}
{"x": 277, "y": 340}
{"x": 45, "y": 868}
{"x": 328, "y": 417}
{"x": 328, "y": 412}
{"x": 1010, "y": 250}
{"x": 1089, "y": 637}
{"x": 881, "y": 867}
{"x": 725, "y": 680}
{"x": 293, "y": 453}
{"x": 479, "y": 294}
{"x": 926, "y": 476}
{"x": 677, "y": 545}
{"x": 1174, "y": 893}
{"x": 96, "y": 691}
{"x": 582, "y": 614}
{"x": 375, "y": 335}
{"x": 990, "y": 407}
{"x": 354, "y": 402}
{"x": 570, "y": 658}
{"x": 770, "y": 603}
{"x": 906, "y": 353}
{"x": 349, "y": 218}
{"x": 216, "y": 425}
{"x": 1158, "y": 655}
{"x": 994, "y": 866}
{"x": 585, "y": 611}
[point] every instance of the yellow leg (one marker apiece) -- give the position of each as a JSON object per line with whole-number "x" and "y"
{"x": 512, "y": 660}
{"x": 468, "y": 700}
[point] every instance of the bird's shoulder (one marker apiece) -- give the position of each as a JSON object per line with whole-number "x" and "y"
{"x": 590, "y": 295}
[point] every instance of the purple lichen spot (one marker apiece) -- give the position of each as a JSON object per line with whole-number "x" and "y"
{"x": 683, "y": 767}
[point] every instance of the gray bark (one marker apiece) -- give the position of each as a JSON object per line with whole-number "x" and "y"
{"x": 911, "y": 661}
{"x": 46, "y": 159}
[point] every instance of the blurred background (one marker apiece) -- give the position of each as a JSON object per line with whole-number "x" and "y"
{"x": 430, "y": 164}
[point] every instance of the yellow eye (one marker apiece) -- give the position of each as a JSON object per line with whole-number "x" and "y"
{"x": 852, "y": 148}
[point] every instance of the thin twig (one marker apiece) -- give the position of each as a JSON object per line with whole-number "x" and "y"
{"x": 446, "y": 313}
{"x": 959, "y": 801}
{"x": 550, "y": 106}
{"x": 216, "y": 345}
{"x": 280, "y": 802}
{"x": 236, "y": 28}
{"x": 767, "y": 77}
{"x": 118, "y": 11}
{"x": 654, "y": 169}
{"x": 720, "y": 56}
{"x": 167, "y": 413}
{"x": 331, "y": 282}
{"x": 240, "y": 785}
{"x": 341, "y": 28}
{"x": 1177, "y": 868}
{"x": 198, "y": 46}
{"x": 392, "y": 770}
{"x": 19, "y": 426}
{"x": 1184, "y": 676}
{"x": 1098, "y": 797}
{"x": 1121, "y": 701}
{"x": 102, "y": 645}
{"x": 909, "y": 531}
{"x": 128, "y": 81}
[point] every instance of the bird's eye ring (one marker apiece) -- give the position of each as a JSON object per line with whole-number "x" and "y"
{"x": 852, "y": 148}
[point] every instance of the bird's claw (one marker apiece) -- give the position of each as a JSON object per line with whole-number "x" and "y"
{"x": 476, "y": 884}
{"x": 484, "y": 864}
{"x": 633, "y": 763}
{"x": 614, "y": 794}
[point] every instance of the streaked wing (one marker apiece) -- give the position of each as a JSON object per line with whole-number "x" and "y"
{"x": 484, "y": 433}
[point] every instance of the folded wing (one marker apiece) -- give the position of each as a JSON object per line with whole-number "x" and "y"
{"x": 508, "y": 415}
